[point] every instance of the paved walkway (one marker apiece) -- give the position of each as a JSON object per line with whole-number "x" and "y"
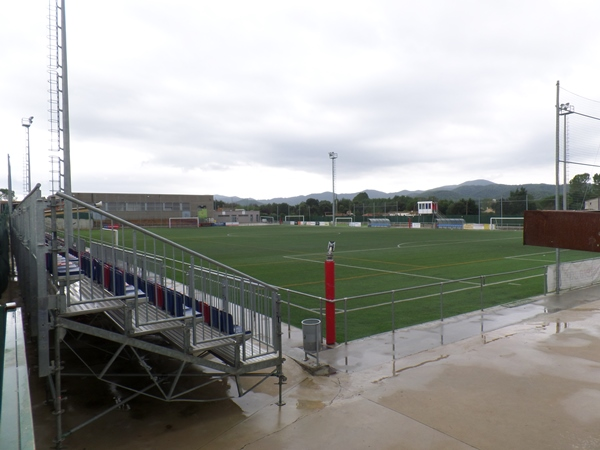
{"x": 529, "y": 380}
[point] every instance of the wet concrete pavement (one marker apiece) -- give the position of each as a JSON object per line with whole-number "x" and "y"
{"x": 530, "y": 380}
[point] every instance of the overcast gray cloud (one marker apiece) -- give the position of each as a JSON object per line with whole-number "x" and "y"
{"x": 247, "y": 98}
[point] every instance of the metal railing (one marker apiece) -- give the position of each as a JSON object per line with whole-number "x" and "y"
{"x": 155, "y": 282}
{"x": 131, "y": 262}
{"x": 373, "y": 313}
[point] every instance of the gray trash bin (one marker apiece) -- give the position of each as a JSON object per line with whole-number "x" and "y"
{"x": 311, "y": 335}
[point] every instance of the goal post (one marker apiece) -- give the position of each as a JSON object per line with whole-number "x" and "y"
{"x": 506, "y": 223}
{"x": 184, "y": 222}
{"x": 294, "y": 218}
{"x": 347, "y": 220}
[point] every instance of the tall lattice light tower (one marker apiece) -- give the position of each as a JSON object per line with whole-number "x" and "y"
{"x": 333, "y": 156}
{"x": 60, "y": 142}
{"x": 27, "y": 166}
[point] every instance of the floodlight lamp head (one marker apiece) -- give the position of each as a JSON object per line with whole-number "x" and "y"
{"x": 566, "y": 108}
{"x": 332, "y": 155}
{"x": 27, "y": 122}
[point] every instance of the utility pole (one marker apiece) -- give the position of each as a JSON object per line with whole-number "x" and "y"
{"x": 333, "y": 156}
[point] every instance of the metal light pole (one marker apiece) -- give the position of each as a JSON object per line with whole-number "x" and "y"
{"x": 333, "y": 156}
{"x": 27, "y": 182}
{"x": 557, "y": 173}
{"x": 564, "y": 110}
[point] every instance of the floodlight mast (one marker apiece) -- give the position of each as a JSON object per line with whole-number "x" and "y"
{"x": 333, "y": 156}
{"x": 27, "y": 181}
{"x": 564, "y": 110}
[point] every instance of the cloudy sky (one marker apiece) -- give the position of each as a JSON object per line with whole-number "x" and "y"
{"x": 247, "y": 98}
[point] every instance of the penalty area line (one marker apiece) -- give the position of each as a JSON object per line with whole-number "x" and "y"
{"x": 393, "y": 272}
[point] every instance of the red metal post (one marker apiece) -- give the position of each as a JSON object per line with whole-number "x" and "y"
{"x": 330, "y": 305}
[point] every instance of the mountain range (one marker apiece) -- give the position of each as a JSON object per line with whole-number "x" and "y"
{"x": 476, "y": 189}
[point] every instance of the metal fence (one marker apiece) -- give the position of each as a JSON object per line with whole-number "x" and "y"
{"x": 365, "y": 315}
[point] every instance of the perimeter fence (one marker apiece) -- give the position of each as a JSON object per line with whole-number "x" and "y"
{"x": 369, "y": 314}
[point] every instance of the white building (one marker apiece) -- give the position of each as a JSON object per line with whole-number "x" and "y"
{"x": 592, "y": 205}
{"x": 238, "y": 216}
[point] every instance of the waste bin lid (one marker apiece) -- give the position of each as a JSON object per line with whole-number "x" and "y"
{"x": 311, "y": 322}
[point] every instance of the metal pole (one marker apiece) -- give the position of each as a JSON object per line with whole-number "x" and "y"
{"x": 333, "y": 156}
{"x": 557, "y": 169}
{"x": 9, "y": 197}
{"x": 442, "y": 301}
{"x": 28, "y": 163}
{"x": 68, "y": 208}
{"x": 58, "y": 411}
{"x": 565, "y": 161}
{"x": 557, "y": 163}
{"x": 345, "y": 321}
{"x": 481, "y": 282}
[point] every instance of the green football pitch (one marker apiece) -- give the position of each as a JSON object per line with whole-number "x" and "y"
{"x": 385, "y": 277}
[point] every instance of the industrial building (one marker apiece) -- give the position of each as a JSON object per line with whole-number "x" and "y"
{"x": 152, "y": 209}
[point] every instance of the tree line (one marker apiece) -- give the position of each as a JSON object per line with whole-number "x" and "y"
{"x": 582, "y": 188}
{"x": 361, "y": 205}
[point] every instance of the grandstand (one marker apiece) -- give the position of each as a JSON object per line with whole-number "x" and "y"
{"x": 143, "y": 295}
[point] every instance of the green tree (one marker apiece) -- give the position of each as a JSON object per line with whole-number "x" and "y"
{"x": 344, "y": 205}
{"x": 360, "y": 198}
{"x": 404, "y": 202}
{"x": 579, "y": 190}
{"x": 325, "y": 207}
{"x": 516, "y": 203}
{"x": 4, "y": 194}
{"x": 547, "y": 202}
{"x": 462, "y": 208}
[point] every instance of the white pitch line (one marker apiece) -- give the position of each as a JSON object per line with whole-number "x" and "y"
{"x": 529, "y": 259}
{"x": 408, "y": 246}
{"x": 526, "y": 257}
{"x": 377, "y": 270}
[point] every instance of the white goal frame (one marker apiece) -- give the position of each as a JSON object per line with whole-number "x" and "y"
{"x": 193, "y": 221}
{"x": 514, "y": 223}
{"x": 344, "y": 219}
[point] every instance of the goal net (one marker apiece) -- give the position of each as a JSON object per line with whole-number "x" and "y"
{"x": 184, "y": 222}
{"x": 506, "y": 223}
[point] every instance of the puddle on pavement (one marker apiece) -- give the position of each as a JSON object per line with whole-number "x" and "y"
{"x": 555, "y": 327}
{"x": 309, "y": 404}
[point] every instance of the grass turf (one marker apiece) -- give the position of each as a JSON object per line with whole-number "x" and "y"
{"x": 417, "y": 263}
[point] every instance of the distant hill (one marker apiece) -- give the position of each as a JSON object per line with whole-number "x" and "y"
{"x": 476, "y": 189}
